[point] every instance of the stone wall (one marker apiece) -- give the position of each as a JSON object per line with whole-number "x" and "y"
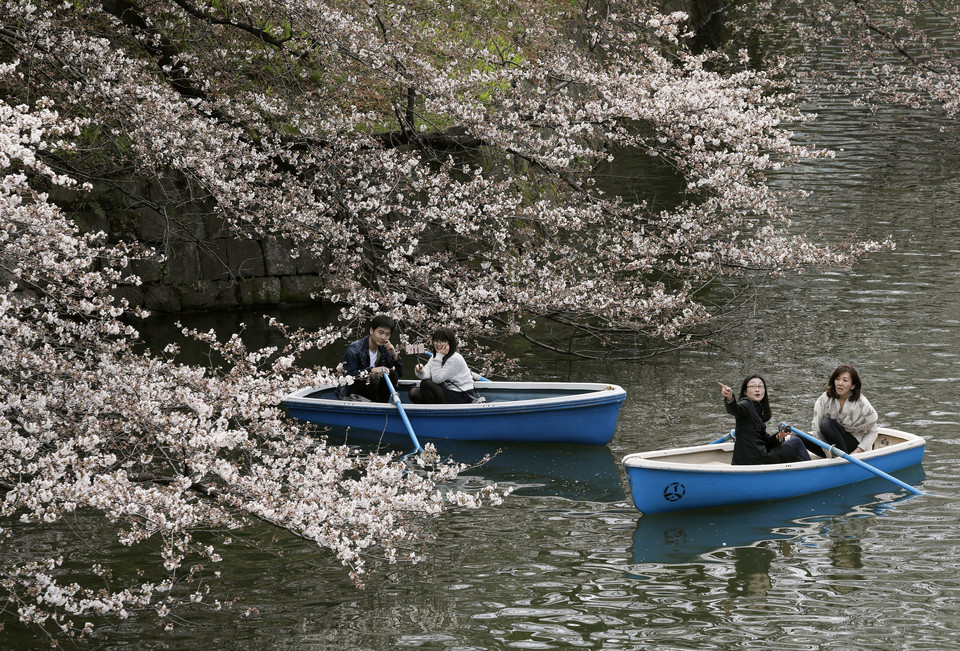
{"x": 207, "y": 265}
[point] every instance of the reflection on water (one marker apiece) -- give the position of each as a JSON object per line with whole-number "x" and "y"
{"x": 684, "y": 536}
{"x": 752, "y": 572}
{"x": 572, "y": 472}
{"x": 846, "y": 552}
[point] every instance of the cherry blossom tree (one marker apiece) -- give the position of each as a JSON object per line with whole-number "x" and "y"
{"x": 446, "y": 161}
{"x": 442, "y": 156}
{"x": 161, "y": 449}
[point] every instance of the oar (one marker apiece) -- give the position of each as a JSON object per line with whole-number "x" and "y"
{"x": 726, "y": 437}
{"x": 403, "y": 414}
{"x": 852, "y": 459}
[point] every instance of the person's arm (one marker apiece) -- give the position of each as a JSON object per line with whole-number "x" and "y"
{"x": 353, "y": 365}
{"x": 736, "y": 407}
{"x": 425, "y": 371}
{"x": 731, "y": 405}
{"x": 866, "y": 424}
{"x": 353, "y": 362}
{"x": 819, "y": 407}
{"x": 454, "y": 366}
{"x": 396, "y": 362}
{"x": 388, "y": 360}
{"x": 775, "y": 439}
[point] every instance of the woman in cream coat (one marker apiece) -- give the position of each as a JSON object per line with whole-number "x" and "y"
{"x": 842, "y": 416}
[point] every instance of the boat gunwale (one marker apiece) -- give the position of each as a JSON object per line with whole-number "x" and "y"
{"x": 593, "y": 392}
{"x": 649, "y": 461}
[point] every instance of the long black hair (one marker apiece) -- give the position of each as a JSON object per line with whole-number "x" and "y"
{"x": 854, "y": 377}
{"x": 447, "y": 335}
{"x": 765, "y": 412}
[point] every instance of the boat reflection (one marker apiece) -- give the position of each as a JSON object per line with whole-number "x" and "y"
{"x": 575, "y": 472}
{"x": 682, "y": 536}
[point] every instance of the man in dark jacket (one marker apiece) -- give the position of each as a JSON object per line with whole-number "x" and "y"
{"x": 368, "y": 359}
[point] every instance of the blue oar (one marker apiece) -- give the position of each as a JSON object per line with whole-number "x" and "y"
{"x": 852, "y": 459}
{"x": 725, "y": 437}
{"x": 403, "y": 414}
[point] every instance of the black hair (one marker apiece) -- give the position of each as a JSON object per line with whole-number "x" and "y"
{"x": 447, "y": 335}
{"x": 765, "y": 412}
{"x": 383, "y": 321}
{"x": 854, "y": 377}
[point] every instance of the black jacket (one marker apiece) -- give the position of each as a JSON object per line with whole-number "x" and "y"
{"x": 753, "y": 445}
{"x": 356, "y": 360}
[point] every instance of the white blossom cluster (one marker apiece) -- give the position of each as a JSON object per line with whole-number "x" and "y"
{"x": 165, "y": 451}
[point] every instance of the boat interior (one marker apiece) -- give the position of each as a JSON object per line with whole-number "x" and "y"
{"x": 490, "y": 391}
{"x": 721, "y": 454}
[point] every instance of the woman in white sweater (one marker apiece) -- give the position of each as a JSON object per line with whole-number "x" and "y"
{"x": 446, "y": 378}
{"x": 842, "y": 416}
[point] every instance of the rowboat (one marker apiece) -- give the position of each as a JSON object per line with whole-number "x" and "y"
{"x": 513, "y": 412}
{"x": 683, "y": 536}
{"x": 701, "y": 476}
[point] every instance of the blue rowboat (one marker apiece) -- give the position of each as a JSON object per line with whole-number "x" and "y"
{"x": 683, "y": 536}
{"x": 701, "y": 476}
{"x": 514, "y": 412}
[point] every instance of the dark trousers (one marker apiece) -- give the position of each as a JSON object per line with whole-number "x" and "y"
{"x": 792, "y": 450}
{"x": 832, "y": 432}
{"x": 429, "y": 392}
{"x": 374, "y": 388}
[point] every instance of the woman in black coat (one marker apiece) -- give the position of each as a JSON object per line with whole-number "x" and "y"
{"x": 753, "y": 445}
